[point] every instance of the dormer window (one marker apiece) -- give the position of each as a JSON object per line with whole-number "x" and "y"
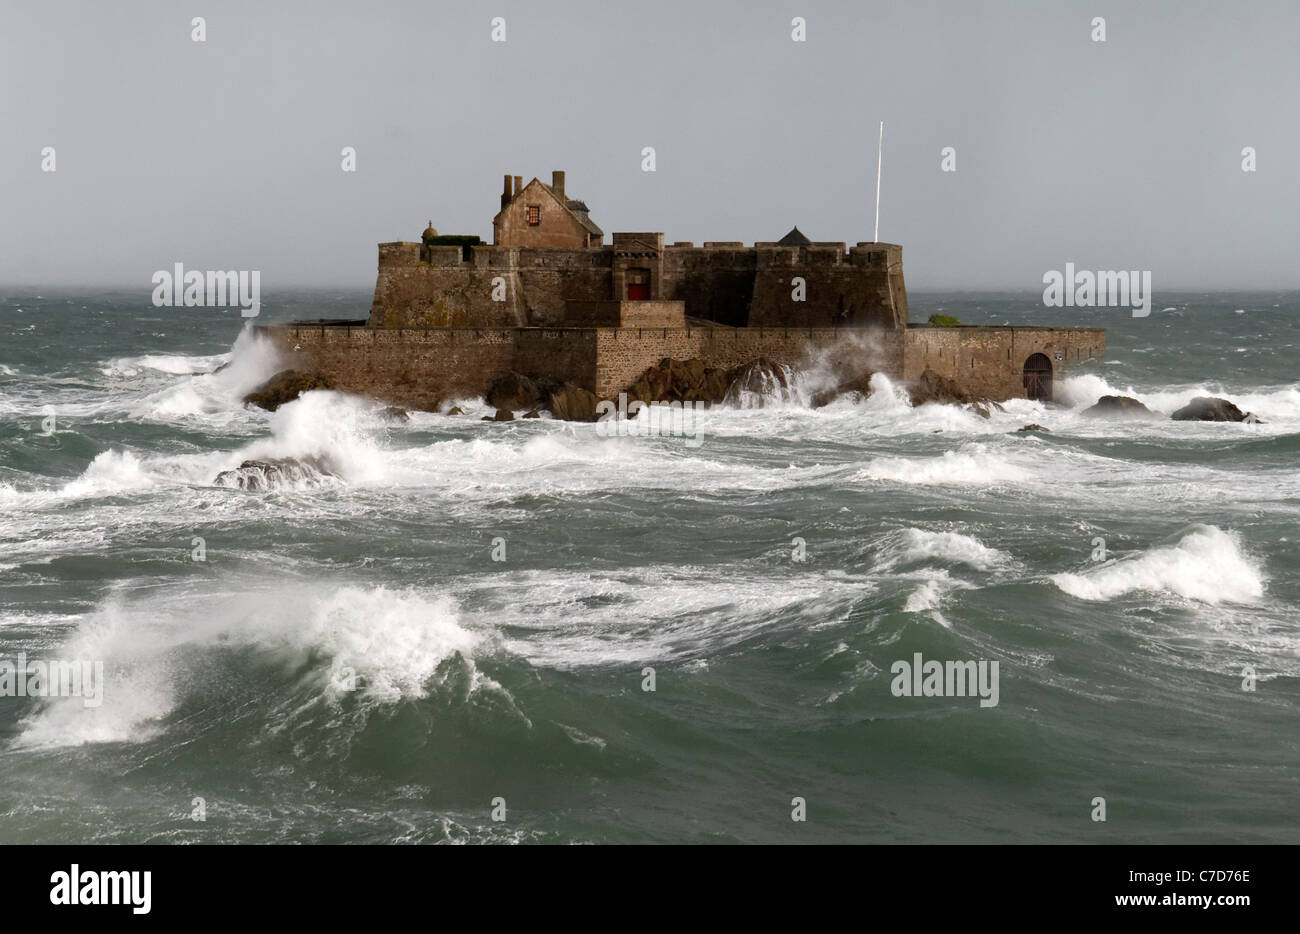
{"x": 534, "y": 215}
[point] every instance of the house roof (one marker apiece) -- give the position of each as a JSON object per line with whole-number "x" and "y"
{"x": 577, "y": 208}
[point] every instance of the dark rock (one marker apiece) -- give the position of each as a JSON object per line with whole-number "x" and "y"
{"x": 533, "y": 414}
{"x": 265, "y": 475}
{"x": 515, "y": 391}
{"x": 573, "y": 403}
{"x": 759, "y": 381}
{"x": 285, "y": 386}
{"x": 503, "y": 415}
{"x": 1034, "y": 426}
{"x": 1208, "y": 409}
{"x": 1121, "y": 406}
{"x": 512, "y": 391}
{"x": 823, "y": 397}
{"x": 455, "y": 410}
{"x": 392, "y": 413}
{"x": 679, "y": 381}
{"x": 931, "y": 387}
{"x": 859, "y": 384}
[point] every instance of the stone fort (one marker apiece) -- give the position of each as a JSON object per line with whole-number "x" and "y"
{"x": 549, "y": 298}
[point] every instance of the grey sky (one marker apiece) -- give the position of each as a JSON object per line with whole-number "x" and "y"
{"x": 1117, "y": 155}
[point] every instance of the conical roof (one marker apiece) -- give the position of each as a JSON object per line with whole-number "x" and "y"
{"x": 794, "y": 238}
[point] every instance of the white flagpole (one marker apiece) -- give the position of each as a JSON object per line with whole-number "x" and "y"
{"x": 880, "y": 155}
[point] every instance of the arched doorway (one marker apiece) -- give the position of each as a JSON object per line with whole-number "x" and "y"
{"x": 1038, "y": 378}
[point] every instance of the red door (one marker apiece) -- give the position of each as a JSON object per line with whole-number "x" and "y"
{"x": 638, "y": 285}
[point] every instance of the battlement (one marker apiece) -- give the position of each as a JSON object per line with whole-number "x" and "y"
{"x": 769, "y": 284}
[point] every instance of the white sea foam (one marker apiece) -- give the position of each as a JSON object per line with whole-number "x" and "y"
{"x": 211, "y": 390}
{"x": 174, "y": 364}
{"x": 1080, "y": 392}
{"x": 970, "y": 465}
{"x": 925, "y": 597}
{"x": 574, "y": 619}
{"x": 1206, "y": 564}
{"x": 110, "y": 472}
{"x": 336, "y": 429}
{"x": 915, "y": 546}
{"x": 154, "y": 652}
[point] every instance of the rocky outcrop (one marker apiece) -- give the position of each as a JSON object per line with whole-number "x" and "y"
{"x": 393, "y": 415}
{"x": 860, "y": 384}
{"x": 756, "y": 384}
{"x": 285, "y": 386}
{"x": 1118, "y": 407}
{"x": 269, "y": 474}
{"x": 573, "y": 403}
{"x": 515, "y": 391}
{"x": 931, "y": 387}
{"x": 1209, "y": 409}
{"x": 1034, "y": 426}
{"x": 681, "y": 381}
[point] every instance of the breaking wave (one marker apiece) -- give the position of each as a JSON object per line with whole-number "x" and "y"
{"x": 302, "y": 651}
{"x": 918, "y": 546}
{"x": 970, "y": 465}
{"x": 1206, "y": 564}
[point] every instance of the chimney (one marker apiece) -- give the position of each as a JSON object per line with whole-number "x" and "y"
{"x": 557, "y": 183}
{"x": 508, "y": 193}
{"x": 519, "y": 185}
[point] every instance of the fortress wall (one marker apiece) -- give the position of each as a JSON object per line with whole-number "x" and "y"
{"x": 419, "y": 368}
{"x": 639, "y": 314}
{"x": 423, "y": 295}
{"x": 990, "y": 361}
{"x": 412, "y": 368}
{"x": 623, "y": 354}
{"x": 567, "y": 354}
{"x": 544, "y": 291}
{"x": 447, "y": 292}
{"x": 725, "y": 283}
{"x": 739, "y": 287}
{"x": 715, "y": 282}
{"x": 835, "y": 295}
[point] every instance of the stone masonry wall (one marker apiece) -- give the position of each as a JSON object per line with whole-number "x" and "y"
{"x": 418, "y": 368}
{"x": 990, "y": 361}
{"x": 728, "y": 284}
{"x": 412, "y": 368}
{"x": 624, "y": 354}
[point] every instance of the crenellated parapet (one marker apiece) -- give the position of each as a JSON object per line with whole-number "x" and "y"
{"x": 764, "y": 285}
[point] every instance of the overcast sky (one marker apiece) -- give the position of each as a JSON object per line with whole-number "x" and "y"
{"x": 226, "y": 154}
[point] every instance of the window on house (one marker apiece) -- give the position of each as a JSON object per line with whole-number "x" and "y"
{"x": 534, "y": 215}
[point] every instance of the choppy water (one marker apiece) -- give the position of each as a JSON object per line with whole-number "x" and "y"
{"x": 927, "y": 530}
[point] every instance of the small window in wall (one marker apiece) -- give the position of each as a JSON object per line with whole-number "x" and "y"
{"x": 534, "y": 215}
